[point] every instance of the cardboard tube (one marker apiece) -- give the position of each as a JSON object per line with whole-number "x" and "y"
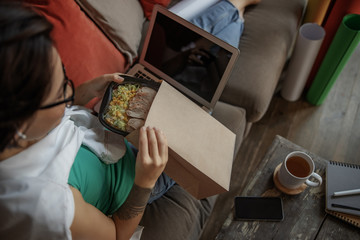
{"x": 345, "y": 41}
{"x": 306, "y": 49}
{"x": 316, "y": 11}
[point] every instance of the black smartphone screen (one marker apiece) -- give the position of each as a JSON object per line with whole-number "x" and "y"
{"x": 259, "y": 208}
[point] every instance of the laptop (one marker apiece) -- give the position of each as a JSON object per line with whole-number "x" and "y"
{"x": 187, "y": 57}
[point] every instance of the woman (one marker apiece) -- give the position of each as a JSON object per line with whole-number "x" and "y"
{"x": 40, "y": 139}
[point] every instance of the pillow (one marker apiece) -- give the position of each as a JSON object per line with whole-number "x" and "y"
{"x": 84, "y": 50}
{"x": 120, "y": 20}
{"x": 148, "y": 6}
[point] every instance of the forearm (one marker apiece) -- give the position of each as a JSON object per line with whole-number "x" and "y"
{"x": 130, "y": 213}
{"x": 94, "y": 88}
{"x": 82, "y": 96}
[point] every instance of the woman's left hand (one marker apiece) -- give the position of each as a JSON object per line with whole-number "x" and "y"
{"x": 95, "y": 88}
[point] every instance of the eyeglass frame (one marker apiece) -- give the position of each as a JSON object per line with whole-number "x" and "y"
{"x": 70, "y": 100}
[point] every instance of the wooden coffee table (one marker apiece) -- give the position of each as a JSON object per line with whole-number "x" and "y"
{"x": 304, "y": 214}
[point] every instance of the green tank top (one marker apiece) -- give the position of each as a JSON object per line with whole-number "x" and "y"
{"x": 105, "y": 186}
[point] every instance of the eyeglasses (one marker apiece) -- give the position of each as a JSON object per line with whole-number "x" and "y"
{"x": 69, "y": 100}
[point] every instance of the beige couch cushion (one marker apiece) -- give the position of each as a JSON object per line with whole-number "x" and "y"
{"x": 120, "y": 20}
{"x": 270, "y": 30}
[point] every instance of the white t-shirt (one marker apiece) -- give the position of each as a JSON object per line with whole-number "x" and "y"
{"x": 35, "y": 200}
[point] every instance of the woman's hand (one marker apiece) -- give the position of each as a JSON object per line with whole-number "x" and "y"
{"x": 94, "y": 88}
{"x": 152, "y": 157}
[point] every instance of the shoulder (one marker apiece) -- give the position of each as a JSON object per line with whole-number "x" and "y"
{"x": 34, "y": 207}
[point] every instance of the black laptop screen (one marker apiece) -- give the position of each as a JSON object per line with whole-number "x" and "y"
{"x": 190, "y": 59}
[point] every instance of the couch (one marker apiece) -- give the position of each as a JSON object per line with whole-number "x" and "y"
{"x": 96, "y": 37}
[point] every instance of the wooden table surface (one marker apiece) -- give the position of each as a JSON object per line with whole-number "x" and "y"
{"x": 304, "y": 214}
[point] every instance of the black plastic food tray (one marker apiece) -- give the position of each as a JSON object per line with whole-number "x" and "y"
{"x": 108, "y": 96}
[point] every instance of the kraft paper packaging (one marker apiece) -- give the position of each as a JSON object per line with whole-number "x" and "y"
{"x": 345, "y": 41}
{"x": 316, "y": 11}
{"x": 201, "y": 149}
{"x": 331, "y": 23}
{"x": 306, "y": 49}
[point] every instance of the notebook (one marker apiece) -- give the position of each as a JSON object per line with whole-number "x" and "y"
{"x": 342, "y": 177}
{"x": 352, "y": 219}
{"x": 190, "y": 59}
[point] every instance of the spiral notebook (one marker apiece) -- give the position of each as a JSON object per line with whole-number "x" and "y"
{"x": 341, "y": 177}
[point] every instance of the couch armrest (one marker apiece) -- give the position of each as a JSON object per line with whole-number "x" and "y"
{"x": 270, "y": 30}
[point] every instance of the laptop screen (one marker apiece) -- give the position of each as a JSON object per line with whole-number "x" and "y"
{"x": 190, "y": 59}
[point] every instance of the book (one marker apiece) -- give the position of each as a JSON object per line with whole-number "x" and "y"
{"x": 342, "y": 177}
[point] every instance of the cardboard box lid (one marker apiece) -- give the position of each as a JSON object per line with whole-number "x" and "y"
{"x": 201, "y": 149}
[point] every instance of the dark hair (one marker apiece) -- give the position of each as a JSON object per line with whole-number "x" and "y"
{"x": 25, "y": 66}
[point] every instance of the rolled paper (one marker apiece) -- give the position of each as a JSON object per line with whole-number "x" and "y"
{"x": 345, "y": 41}
{"x": 306, "y": 48}
{"x": 316, "y": 11}
{"x": 337, "y": 10}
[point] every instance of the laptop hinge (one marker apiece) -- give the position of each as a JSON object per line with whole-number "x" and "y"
{"x": 209, "y": 111}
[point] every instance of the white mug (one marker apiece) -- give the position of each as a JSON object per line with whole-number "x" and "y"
{"x": 296, "y": 169}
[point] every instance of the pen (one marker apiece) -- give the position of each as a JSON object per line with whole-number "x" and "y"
{"x": 346, "y": 193}
{"x": 345, "y": 207}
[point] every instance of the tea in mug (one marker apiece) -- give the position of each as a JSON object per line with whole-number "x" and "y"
{"x": 298, "y": 166}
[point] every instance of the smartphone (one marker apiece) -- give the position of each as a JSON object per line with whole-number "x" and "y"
{"x": 259, "y": 208}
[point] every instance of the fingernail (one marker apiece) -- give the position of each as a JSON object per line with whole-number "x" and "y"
{"x": 159, "y": 130}
{"x": 118, "y": 77}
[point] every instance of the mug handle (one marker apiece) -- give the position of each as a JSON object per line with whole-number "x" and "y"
{"x": 314, "y": 184}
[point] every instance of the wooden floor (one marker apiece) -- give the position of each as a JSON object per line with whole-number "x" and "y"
{"x": 331, "y": 130}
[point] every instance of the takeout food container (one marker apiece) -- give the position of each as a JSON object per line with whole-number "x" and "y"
{"x": 201, "y": 149}
{"x": 109, "y": 94}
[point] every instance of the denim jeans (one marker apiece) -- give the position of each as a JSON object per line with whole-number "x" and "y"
{"x": 223, "y": 21}
{"x": 162, "y": 185}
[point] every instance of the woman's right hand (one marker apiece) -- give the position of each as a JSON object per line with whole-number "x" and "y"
{"x": 151, "y": 158}
{"x": 95, "y": 88}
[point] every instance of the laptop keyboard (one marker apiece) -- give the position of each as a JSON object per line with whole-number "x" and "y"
{"x": 140, "y": 74}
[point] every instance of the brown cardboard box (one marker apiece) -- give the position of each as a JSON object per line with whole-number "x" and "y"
{"x": 201, "y": 149}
